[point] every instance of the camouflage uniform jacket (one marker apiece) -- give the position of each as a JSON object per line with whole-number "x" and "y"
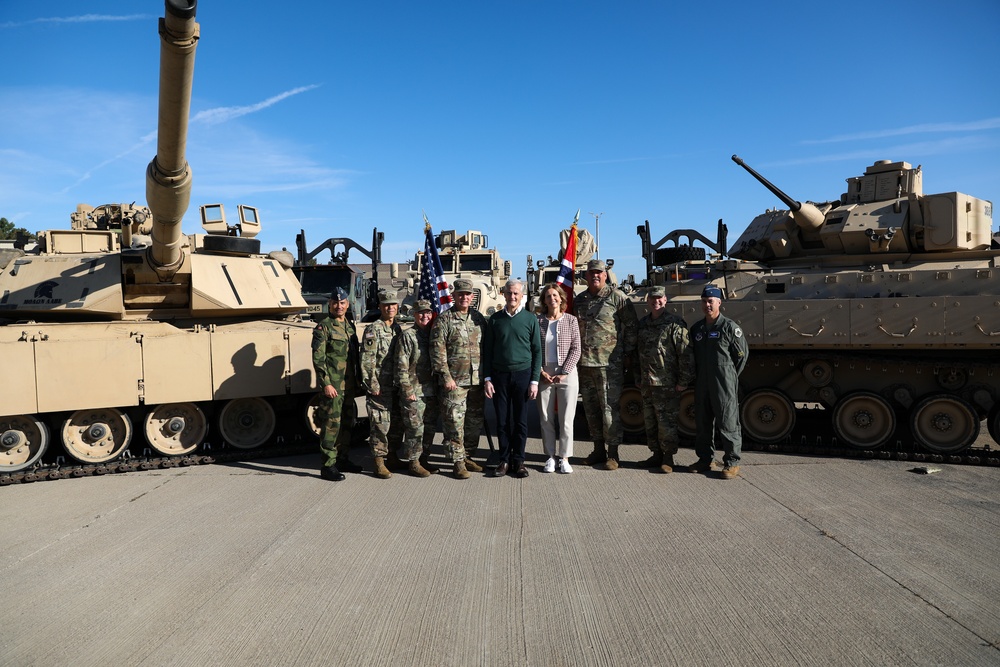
{"x": 607, "y": 326}
{"x": 335, "y": 352}
{"x": 665, "y": 355}
{"x": 457, "y": 347}
{"x": 378, "y": 356}
{"x": 414, "y": 376}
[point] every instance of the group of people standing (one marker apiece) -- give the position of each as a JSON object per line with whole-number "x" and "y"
{"x": 448, "y": 365}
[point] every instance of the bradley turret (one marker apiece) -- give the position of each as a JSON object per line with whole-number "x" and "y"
{"x": 884, "y": 212}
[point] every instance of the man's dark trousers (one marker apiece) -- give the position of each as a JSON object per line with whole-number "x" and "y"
{"x": 510, "y": 402}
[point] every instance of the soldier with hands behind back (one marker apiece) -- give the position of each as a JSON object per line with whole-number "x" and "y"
{"x": 666, "y": 369}
{"x": 418, "y": 396}
{"x": 378, "y": 362}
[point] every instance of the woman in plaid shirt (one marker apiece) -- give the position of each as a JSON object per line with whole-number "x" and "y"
{"x": 559, "y": 386}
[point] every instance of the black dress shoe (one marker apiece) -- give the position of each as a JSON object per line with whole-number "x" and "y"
{"x": 522, "y": 472}
{"x": 346, "y": 465}
{"x": 331, "y": 474}
{"x": 501, "y": 469}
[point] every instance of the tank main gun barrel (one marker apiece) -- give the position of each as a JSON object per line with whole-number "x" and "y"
{"x": 168, "y": 178}
{"x": 805, "y": 215}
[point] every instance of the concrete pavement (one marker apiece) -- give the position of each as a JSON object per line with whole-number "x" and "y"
{"x": 801, "y": 561}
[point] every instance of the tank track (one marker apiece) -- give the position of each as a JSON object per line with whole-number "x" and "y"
{"x": 148, "y": 461}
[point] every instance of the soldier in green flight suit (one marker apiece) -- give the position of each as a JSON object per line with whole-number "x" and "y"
{"x": 720, "y": 355}
{"x": 335, "y": 357}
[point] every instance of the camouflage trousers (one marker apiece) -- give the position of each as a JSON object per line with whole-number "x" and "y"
{"x": 660, "y": 409}
{"x": 386, "y": 423}
{"x": 601, "y": 390}
{"x": 462, "y": 416}
{"x": 333, "y": 414}
{"x": 420, "y": 418}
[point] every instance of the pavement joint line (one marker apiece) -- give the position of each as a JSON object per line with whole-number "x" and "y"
{"x": 830, "y": 536}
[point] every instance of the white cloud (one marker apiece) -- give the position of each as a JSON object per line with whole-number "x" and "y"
{"x": 924, "y": 128}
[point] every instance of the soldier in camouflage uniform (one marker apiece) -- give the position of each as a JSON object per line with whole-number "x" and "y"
{"x": 607, "y": 336}
{"x": 378, "y": 364}
{"x": 335, "y": 357}
{"x": 417, "y": 393}
{"x": 666, "y": 369}
{"x": 456, "y": 357}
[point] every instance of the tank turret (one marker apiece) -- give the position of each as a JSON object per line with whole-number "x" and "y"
{"x": 884, "y": 212}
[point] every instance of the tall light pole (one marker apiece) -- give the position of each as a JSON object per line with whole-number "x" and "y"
{"x": 597, "y": 224}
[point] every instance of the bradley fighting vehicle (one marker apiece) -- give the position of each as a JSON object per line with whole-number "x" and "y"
{"x": 882, "y": 306}
{"x": 109, "y": 338}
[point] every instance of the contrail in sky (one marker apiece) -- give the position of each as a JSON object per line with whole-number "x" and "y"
{"x": 84, "y": 18}
{"x": 926, "y": 128}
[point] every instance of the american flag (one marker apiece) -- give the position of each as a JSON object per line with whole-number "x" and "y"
{"x": 568, "y": 269}
{"x": 433, "y": 286}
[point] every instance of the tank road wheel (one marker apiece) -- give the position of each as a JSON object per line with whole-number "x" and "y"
{"x": 96, "y": 436}
{"x": 767, "y": 415}
{"x": 686, "y": 424}
{"x": 314, "y": 413}
{"x": 247, "y": 422}
{"x": 630, "y": 411}
{"x": 175, "y": 428}
{"x": 23, "y": 440}
{"x": 864, "y": 420}
{"x": 993, "y": 423}
{"x": 944, "y": 424}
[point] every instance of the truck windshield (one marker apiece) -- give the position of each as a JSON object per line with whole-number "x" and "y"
{"x": 318, "y": 280}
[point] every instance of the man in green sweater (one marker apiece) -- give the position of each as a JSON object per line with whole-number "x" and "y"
{"x": 512, "y": 363}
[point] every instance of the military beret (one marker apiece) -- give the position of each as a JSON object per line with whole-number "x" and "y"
{"x": 462, "y": 285}
{"x": 597, "y": 265}
{"x": 338, "y": 294}
{"x": 421, "y": 305}
{"x": 386, "y": 298}
{"x": 711, "y": 290}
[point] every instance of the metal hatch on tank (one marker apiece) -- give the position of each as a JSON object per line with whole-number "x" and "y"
{"x": 881, "y": 307}
{"x": 125, "y": 332}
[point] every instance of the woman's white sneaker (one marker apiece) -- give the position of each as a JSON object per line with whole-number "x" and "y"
{"x": 550, "y": 465}
{"x": 564, "y": 466}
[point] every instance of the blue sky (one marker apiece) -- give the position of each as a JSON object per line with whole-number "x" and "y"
{"x": 335, "y": 117}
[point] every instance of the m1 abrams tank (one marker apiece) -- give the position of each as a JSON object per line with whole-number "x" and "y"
{"x": 109, "y": 338}
{"x": 882, "y": 307}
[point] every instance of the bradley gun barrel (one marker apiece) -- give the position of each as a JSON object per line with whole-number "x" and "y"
{"x": 168, "y": 178}
{"x": 805, "y": 215}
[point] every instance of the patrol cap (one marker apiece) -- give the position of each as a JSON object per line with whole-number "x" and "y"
{"x": 386, "y": 298}
{"x": 462, "y": 285}
{"x": 338, "y": 294}
{"x": 597, "y": 265}
{"x": 421, "y": 305}
{"x": 711, "y": 290}
{"x": 657, "y": 291}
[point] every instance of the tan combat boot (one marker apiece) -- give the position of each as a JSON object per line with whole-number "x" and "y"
{"x": 668, "y": 464}
{"x": 380, "y": 470}
{"x": 418, "y": 470}
{"x": 612, "y": 461}
{"x": 460, "y": 471}
{"x": 472, "y": 466}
